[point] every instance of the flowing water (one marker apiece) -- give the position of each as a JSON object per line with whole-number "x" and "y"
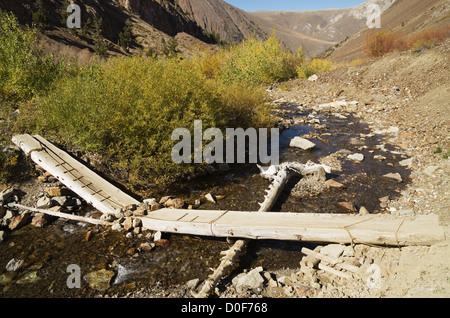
{"x": 47, "y": 252}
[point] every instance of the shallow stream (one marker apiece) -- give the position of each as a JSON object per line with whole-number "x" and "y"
{"x": 47, "y": 252}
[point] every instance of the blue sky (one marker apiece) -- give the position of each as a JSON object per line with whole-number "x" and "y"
{"x": 296, "y": 5}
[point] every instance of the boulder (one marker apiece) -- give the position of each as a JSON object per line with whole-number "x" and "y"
{"x": 44, "y": 203}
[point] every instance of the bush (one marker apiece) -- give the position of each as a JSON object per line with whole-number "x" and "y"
{"x": 315, "y": 66}
{"x": 24, "y": 71}
{"x": 106, "y": 110}
{"x": 258, "y": 62}
{"x": 384, "y": 42}
{"x": 381, "y": 43}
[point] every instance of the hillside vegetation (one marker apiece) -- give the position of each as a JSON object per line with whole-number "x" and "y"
{"x": 124, "y": 109}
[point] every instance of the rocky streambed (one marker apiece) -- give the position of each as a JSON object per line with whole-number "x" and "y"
{"x": 367, "y": 173}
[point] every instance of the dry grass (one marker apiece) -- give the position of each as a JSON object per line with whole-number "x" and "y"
{"x": 383, "y": 42}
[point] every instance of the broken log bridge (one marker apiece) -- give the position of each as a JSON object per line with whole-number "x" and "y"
{"x": 330, "y": 228}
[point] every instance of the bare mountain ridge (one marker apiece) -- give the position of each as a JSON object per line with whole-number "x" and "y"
{"x": 315, "y": 31}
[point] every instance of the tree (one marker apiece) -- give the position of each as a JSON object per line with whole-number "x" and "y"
{"x": 39, "y": 17}
{"x": 100, "y": 44}
{"x": 170, "y": 48}
{"x": 126, "y": 36}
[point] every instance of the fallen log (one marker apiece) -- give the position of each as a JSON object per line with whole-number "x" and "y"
{"x": 280, "y": 178}
{"x": 90, "y": 186}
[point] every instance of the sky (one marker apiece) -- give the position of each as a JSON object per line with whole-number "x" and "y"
{"x": 295, "y": 5}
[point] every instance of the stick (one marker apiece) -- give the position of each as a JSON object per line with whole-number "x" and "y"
{"x": 331, "y": 260}
{"x": 334, "y": 271}
{"x": 62, "y": 215}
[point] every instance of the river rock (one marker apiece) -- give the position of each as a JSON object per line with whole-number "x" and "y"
{"x": 252, "y": 280}
{"x": 406, "y": 162}
{"x": 2, "y": 236}
{"x": 313, "y": 78}
{"x": 331, "y": 183}
{"x": 66, "y": 201}
{"x": 301, "y": 143}
{"x": 128, "y": 224}
{"x": 394, "y": 176}
{"x": 57, "y": 191}
{"x": 28, "y": 278}
{"x": 348, "y": 206}
{"x": 14, "y": 265}
{"x": 44, "y": 203}
{"x": 99, "y": 280}
{"x": 356, "y": 157}
{"x": 211, "y": 198}
{"x": 430, "y": 170}
{"x": 19, "y": 221}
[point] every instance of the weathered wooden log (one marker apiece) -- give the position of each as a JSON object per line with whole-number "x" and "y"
{"x": 62, "y": 215}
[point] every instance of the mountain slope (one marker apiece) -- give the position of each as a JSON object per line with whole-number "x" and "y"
{"x": 331, "y": 26}
{"x": 405, "y": 17}
{"x": 153, "y": 20}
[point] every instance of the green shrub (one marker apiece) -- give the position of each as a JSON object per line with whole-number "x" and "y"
{"x": 258, "y": 62}
{"x": 127, "y": 108}
{"x": 316, "y": 66}
{"x": 24, "y": 71}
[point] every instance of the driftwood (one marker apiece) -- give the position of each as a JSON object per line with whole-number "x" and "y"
{"x": 280, "y": 176}
{"x": 330, "y": 260}
{"x": 62, "y": 215}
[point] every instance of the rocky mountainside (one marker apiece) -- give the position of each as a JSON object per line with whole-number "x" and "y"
{"x": 331, "y": 26}
{"x": 152, "y": 20}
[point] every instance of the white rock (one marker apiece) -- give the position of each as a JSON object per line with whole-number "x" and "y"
{"x": 251, "y": 280}
{"x": 356, "y": 157}
{"x": 210, "y": 198}
{"x": 430, "y": 170}
{"x": 301, "y": 143}
{"x": 157, "y": 236}
{"x": 393, "y": 176}
{"x": 333, "y": 250}
{"x": 44, "y": 203}
{"x": 14, "y": 264}
{"x": 406, "y": 162}
{"x": 313, "y": 78}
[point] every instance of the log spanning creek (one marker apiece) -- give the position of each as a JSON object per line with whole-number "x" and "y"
{"x": 45, "y": 254}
